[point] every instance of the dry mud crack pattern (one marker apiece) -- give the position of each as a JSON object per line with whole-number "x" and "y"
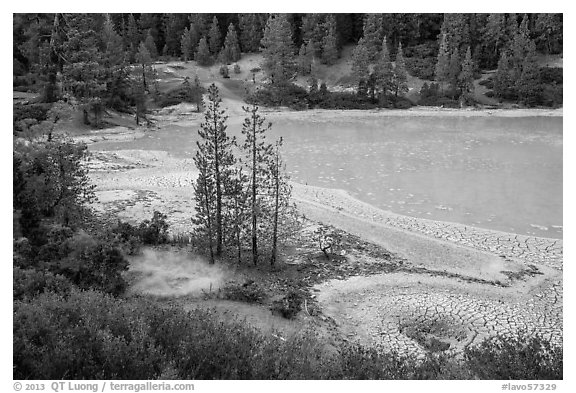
{"x": 412, "y": 312}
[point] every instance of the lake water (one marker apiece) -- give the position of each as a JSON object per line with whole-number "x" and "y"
{"x": 491, "y": 172}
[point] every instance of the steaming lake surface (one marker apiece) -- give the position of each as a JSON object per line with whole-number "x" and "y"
{"x": 491, "y": 172}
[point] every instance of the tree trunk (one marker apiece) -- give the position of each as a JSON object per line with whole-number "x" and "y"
{"x": 254, "y": 189}
{"x": 218, "y": 191}
{"x": 209, "y": 220}
{"x": 276, "y": 197}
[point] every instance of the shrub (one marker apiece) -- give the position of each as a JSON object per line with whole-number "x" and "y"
{"x": 289, "y": 95}
{"x": 224, "y": 71}
{"x": 402, "y": 103}
{"x": 155, "y": 231}
{"x": 28, "y": 283}
{"x": 249, "y": 292}
{"x": 236, "y": 69}
{"x": 421, "y": 59}
{"x": 25, "y": 115}
{"x": 520, "y": 357}
{"x": 551, "y": 75}
{"x": 289, "y": 306}
{"x": 89, "y": 335}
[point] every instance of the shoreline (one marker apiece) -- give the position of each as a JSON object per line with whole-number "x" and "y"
{"x": 419, "y": 111}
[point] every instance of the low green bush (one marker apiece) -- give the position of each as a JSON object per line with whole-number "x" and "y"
{"x": 28, "y": 283}
{"x": 289, "y": 306}
{"x": 249, "y": 292}
{"x": 520, "y": 357}
{"x": 90, "y": 335}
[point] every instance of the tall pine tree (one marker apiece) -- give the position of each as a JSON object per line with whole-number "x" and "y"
{"x": 278, "y": 50}
{"x": 215, "y": 146}
{"x": 400, "y": 73}
{"x": 231, "y": 50}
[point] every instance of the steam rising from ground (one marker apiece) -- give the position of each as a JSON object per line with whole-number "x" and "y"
{"x": 169, "y": 273}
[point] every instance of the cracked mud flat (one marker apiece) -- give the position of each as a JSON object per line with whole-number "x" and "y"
{"x": 460, "y": 284}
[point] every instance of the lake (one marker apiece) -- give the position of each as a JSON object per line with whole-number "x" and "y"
{"x": 500, "y": 173}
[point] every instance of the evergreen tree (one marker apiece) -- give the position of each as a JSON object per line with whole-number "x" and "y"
{"x": 314, "y": 31}
{"x": 214, "y": 37}
{"x": 372, "y": 34}
{"x": 548, "y": 31}
{"x": 132, "y": 37}
{"x": 174, "y": 25}
{"x": 251, "y": 32}
{"x": 528, "y": 85}
{"x": 145, "y": 60}
{"x": 456, "y": 28}
{"x": 197, "y": 93}
{"x": 383, "y": 71}
{"x": 278, "y": 50}
{"x": 84, "y": 75}
{"x": 231, "y": 51}
{"x": 443, "y": 63}
{"x": 186, "y": 44}
{"x": 281, "y": 191}
{"x": 202, "y": 55}
{"x": 329, "y": 43}
{"x": 494, "y": 36}
{"x": 454, "y": 71}
{"x": 466, "y": 77}
{"x": 112, "y": 44}
{"x": 360, "y": 62}
{"x": 204, "y": 195}
{"x": 151, "y": 45}
{"x": 257, "y": 153}
{"x": 215, "y": 146}
{"x": 304, "y": 60}
{"x": 400, "y": 75}
{"x": 503, "y": 82}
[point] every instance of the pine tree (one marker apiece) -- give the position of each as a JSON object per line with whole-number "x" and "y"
{"x": 257, "y": 154}
{"x": 383, "y": 70}
{"x": 494, "y": 35}
{"x": 277, "y": 182}
{"x": 466, "y": 77}
{"x": 202, "y": 55}
{"x": 112, "y": 43}
{"x": 519, "y": 47}
{"x": 132, "y": 37}
{"x": 314, "y": 31}
{"x": 216, "y": 148}
{"x": 204, "y": 195}
{"x": 400, "y": 74}
{"x": 528, "y": 86}
{"x": 503, "y": 85}
{"x": 330, "y": 43}
{"x": 231, "y": 51}
{"x": 443, "y": 63}
{"x": 145, "y": 60}
{"x": 151, "y": 45}
{"x": 186, "y": 44}
{"x": 360, "y": 62}
{"x": 197, "y": 93}
{"x": 456, "y": 28}
{"x": 372, "y": 34}
{"x": 304, "y": 61}
{"x": 251, "y": 32}
{"x": 278, "y": 50}
{"x": 454, "y": 70}
{"x": 214, "y": 37}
